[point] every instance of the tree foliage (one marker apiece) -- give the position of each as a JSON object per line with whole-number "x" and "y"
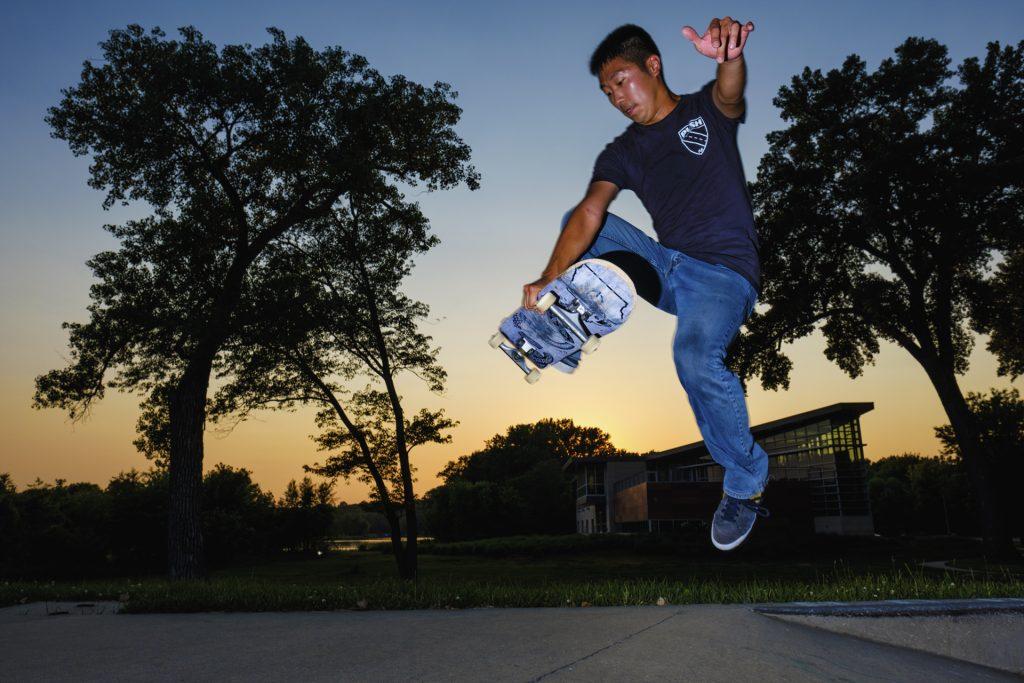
{"x": 916, "y": 495}
{"x": 877, "y": 225}
{"x": 523, "y": 445}
{"x": 884, "y": 209}
{"x": 235, "y": 150}
{"x": 516, "y": 483}
{"x": 81, "y": 530}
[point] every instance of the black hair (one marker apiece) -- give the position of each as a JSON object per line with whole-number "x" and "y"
{"x": 630, "y": 42}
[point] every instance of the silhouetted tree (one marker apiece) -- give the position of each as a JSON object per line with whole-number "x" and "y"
{"x": 913, "y": 494}
{"x": 350, "y": 520}
{"x": 523, "y": 445}
{"x": 516, "y": 483}
{"x": 10, "y": 520}
{"x": 236, "y": 515}
{"x": 138, "y": 520}
{"x": 999, "y": 416}
{"x": 307, "y": 513}
{"x": 234, "y": 149}
{"x": 881, "y": 208}
{"x": 58, "y": 530}
{"x": 331, "y": 314}
{"x": 999, "y": 310}
{"x": 79, "y": 530}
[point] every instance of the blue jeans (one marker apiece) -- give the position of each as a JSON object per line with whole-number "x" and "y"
{"x": 710, "y": 303}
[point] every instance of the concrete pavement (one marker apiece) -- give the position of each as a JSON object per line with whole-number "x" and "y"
{"x": 675, "y": 643}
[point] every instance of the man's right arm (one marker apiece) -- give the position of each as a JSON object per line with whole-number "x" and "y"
{"x": 582, "y": 227}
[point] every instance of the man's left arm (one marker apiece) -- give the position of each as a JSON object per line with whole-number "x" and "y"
{"x": 724, "y": 42}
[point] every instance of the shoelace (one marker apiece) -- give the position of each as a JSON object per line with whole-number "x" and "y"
{"x": 732, "y": 508}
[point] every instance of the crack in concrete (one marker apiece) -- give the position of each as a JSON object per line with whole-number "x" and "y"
{"x": 606, "y": 647}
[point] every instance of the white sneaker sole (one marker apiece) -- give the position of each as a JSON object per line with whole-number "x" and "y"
{"x": 730, "y": 546}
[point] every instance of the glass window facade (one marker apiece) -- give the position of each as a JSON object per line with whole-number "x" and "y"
{"x": 590, "y": 480}
{"x": 823, "y": 448}
{"x": 828, "y": 453}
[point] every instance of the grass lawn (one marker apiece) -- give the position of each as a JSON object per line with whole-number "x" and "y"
{"x": 847, "y": 570}
{"x": 602, "y": 565}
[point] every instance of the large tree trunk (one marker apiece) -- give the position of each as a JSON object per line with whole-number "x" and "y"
{"x": 185, "y": 552}
{"x": 411, "y": 560}
{"x": 187, "y": 416}
{"x": 396, "y": 544}
{"x": 979, "y": 462}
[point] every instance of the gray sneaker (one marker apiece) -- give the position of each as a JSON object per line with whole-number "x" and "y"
{"x": 734, "y": 519}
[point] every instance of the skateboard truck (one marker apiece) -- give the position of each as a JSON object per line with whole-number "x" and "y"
{"x": 520, "y": 353}
{"x": 499, "y": 340}
{"x": 575, "y": 327}
{"x": 589, "y": 300}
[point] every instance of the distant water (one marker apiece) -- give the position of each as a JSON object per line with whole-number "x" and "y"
{"x": 354, "y": 543}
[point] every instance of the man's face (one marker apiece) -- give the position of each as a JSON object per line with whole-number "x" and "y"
{"x": 630, "y": 88}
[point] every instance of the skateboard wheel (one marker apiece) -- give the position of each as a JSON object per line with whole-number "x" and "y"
{"x": 591, "y": 344}
{"x": 496, "y": 340}
{"x": 532, "y": 376}
{"x": 546, "y": 301}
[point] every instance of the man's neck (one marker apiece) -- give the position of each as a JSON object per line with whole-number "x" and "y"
{"x": 666, "y": 101}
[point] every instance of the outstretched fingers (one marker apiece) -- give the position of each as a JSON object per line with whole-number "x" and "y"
{"x": 723, "y": 40}
{"x": 744, "y": 32}
{"x": 691, "y": 35}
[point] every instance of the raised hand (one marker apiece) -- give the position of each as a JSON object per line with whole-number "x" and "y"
{"x": 724, "y": 39}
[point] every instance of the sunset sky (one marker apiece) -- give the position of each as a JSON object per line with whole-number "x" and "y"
{"x": 535, "y": 121}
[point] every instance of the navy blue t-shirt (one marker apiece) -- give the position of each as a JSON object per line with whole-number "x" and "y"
{"x": 686, "y": 171}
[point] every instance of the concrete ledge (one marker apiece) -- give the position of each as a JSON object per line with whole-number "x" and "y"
{"x": 58, "y": 608}
{"x": 897, "y": 608}
{"x": 987, "y": 639}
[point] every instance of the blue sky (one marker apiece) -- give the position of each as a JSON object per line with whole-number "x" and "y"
{"x": 535, "y": 121}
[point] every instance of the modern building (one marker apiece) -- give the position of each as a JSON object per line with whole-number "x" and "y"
{"x": 816, "y": 465}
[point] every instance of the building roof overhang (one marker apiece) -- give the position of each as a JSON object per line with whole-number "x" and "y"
{"x": 761, "y": 431}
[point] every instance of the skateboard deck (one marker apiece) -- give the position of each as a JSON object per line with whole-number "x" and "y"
{"x": 591, "y": 299}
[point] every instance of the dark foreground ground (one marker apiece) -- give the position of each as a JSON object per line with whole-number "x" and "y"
{"x": 695, "y": 642}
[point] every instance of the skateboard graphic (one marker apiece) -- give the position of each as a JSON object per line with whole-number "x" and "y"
{"x": 590, "y": 299}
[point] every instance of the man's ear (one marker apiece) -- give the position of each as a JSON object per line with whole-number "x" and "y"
{"x": 653, "y": 65}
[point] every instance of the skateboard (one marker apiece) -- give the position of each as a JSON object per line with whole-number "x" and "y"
{"x": 591, "y": 299}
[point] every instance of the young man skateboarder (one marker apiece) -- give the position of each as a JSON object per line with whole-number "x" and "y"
{"x": 680, "y": 157}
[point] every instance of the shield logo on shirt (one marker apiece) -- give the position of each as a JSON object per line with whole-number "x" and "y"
{"x": 694, "y": 135}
